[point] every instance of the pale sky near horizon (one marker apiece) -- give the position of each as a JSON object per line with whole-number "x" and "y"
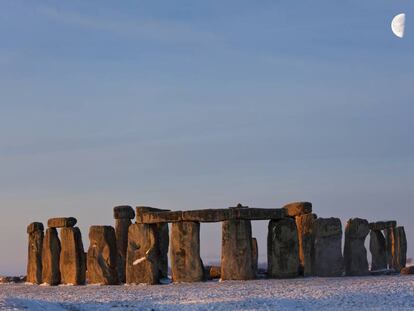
{"x": 203, "y": 104}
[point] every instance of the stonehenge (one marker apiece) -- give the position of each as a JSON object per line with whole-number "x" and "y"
{"x": 134, "y": 252}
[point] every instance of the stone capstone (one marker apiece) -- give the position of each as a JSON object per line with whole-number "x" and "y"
{"x": 282, "y": 249}
{"x": 236, "y": 250}
{"x": 102, "y": 256}
{"x": 186, "y": 264}
{"x": 297, "y": 208}
{"x": 72, "y": 257}
{"x": 355, "y": 253}
{"x": 305, "y": 226}
{"x": 50, "y": 257}
{"x": 328, "y": 260}
{"x": 377, "y": 247}
{"x": 61, "y": 222}
{"x": 382, "y": 225}
{"x": 124, "y": 212}
{"x": 143, "y": 254}
{"x": 34, "y": 261}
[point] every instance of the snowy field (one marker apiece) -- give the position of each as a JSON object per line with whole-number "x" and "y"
{"x": 357, "y": 293}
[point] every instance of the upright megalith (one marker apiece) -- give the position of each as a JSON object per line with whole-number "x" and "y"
{"x": 305, "y": 226}
{"x": 328, "y": 260}
{"x": 102, "y": 256}
{"x": 143, "y": 255}
{"x": 34, "y": 260}
{"x": 355, "y": 253}
{"x": 123, "y": 215}
{"x": 399, "y": 249}
{"x": 377, "y": 247}
{"x": 51, "y": 257}
{"x": 282, "y": 249}
{"x": 236, "y": 250}
{"x": 72, "y": 257}
{"x": 186, "y": 264}
{"x": 255, "y": 255}
{"x": 163, "y": 243}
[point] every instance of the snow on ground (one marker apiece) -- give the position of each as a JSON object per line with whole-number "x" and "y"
{"x": 347, "y": 293}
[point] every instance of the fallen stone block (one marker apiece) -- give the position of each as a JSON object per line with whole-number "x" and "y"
{"x": 61, "y": 222}
{"x": 407, "y": 270}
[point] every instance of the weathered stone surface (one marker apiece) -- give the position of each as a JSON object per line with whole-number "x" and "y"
{"x": 121, "y": 233}
{"x": 305, "y": 226}
{"x": 215, "y": 272}
{"x": 328, "y": 259}
{"x": 297, "y": 208}
{"x": 255, "y": 255}
{"x": 382, "y": 225}
{"x": 124, "y": 212}
{"x": 399, "y": 250}
{"x": 186, "y": 264}
{"x": 282, "y": 249}
{"x": 143, "y": 256}
{"x": 61, "y": 222}
{"x": 50, "y": 257}
{"x": 377, "y": 247}
{"x": 163, "y": 244}
{"x": 34, "y": 260}
{"x": 389, "y": 242}
{"x": 407, "y": 270}
{"x": 206, "y": 215}
{"x": 102, "y": 256}
{"x": 72, "y": 257}
{"x": 236, "y": 250}
{"x": 143, "y": 211}
{"x": 355, "y": 253}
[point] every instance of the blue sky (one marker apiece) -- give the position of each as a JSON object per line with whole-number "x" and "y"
{"x": 202, "y": 104}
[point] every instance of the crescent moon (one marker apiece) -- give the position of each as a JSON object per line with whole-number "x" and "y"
{"x": 398, "y": 25}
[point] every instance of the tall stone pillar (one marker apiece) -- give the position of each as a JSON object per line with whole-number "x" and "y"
{"x": 163, "y": 243}
{"x": 399, "y": 249}
{"x": 186, "y": 264}
{"x": 123, "y": 215}
{"x": 143, "y": 254}
{"x": 328, "y": 260}
{"x": 102, "y": 256}
{"x": 282, "y": 249}
{"x": 377, "y": 247}
{"x": 305, "y": 225}
{"x": 34, "y": 261}
{"x": 50, "y": 257}
{"x": 236, "y": 250}
{"x": 255, "y": 255}
{"x": 72, "y": 257}
{"x": 355, "y": 253}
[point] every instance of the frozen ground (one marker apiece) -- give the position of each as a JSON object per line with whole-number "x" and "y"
{"x": 357, "y": 293}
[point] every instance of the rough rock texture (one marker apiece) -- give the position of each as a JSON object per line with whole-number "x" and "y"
{"x": 282, "y": 249}
{"x": 124, "y": 212}
{"x": 377, "y": 247}
{"x": 186, "y": 264}
{"x": 121, "y": 232}
{"x": 305, "y": 226}
{"x": 236, "y": 250}
{"x": 61, "y": 222}
{"x": 389, "y": 242}
{"x": 163, "y": 244}
{"x": 50, "y": 257}
{"x": 297, "y": 208}
{"x": 355, "y": 253}
{"x": 399, "y": 249}
{"x": 215, "y": 272}
{"x": 143, "y": 257}
{"x": 255, "y": 255}
{"x": 72, "y": 257}
{"x": 382, "y": 225}
{"x": 328, "y": 260}
{"x": 407, "y": 270}
{"x": 34, "y": 260}
{"x": 102, "y": 256}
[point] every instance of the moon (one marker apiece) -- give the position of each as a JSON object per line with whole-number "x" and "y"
{"x": 398, "y": 25}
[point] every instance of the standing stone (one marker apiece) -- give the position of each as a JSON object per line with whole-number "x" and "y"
{"x": 163, "y": 243}
{"x": 355, "y": 253}
{"x": 377, "y": 247}
{"x": 72, "y": 261}
{"x": 389, "y": 241}
{"x": 282, "y": 249}
{"x": 305, "y": 225}
{"x": 34, "y": 261}
{"x": 328, "y": 260}
{"x": 255, "y": 255}
{"x": 102, "y": 256}
{"x": 143, "y": 256}
{"x": 186, "y": 264}
{"x": 50, "y": 257}
{"x": 399, "y": 250}
{"x": 123, "y": 215}
{"x": 236, "y": 250}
